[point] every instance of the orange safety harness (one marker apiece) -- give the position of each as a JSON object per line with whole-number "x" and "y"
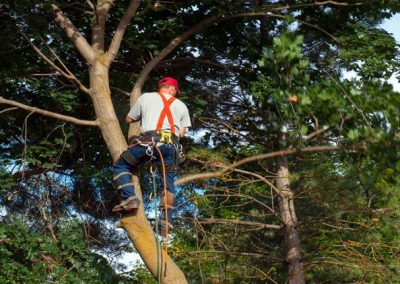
{"x": 166, "y": 111}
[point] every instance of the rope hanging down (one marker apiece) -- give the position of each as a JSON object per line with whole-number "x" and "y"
{"x": 165, "y": 209}
{"x": 157, "y": 219}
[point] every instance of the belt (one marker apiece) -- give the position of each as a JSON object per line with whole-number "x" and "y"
{"x": 155, "y": 136}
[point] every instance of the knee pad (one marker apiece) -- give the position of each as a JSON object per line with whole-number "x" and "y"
{"x": 116, "y": 177}
{"x": 120, "y": 180}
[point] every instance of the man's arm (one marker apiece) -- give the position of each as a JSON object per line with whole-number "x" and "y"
{"x": 182, "y": 132}
{"x": 129, "y": 119}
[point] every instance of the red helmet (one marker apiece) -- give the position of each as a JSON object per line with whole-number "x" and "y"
{"x": 169, "y": 81}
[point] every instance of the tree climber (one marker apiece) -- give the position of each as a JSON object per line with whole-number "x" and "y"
{"x": 163, "y": 121}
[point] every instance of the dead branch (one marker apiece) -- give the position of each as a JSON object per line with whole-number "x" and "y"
{"x": 49, "y": 113}
{"x": 286, "y": 152}
{"x": 235, "y": 222}
{"x": 8, "y": 109}
{"x": 68, "y": 75}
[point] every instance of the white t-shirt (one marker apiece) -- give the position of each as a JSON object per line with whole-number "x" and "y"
{"x": 149, "y": 107}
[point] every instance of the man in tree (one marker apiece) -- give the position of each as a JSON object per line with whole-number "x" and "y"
{"x": 163, "y": 120}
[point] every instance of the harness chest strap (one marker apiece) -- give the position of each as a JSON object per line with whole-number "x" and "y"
{"x": 166, "y": 111}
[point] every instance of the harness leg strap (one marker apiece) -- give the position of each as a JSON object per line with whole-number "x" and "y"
{"x": 129, "y": 158}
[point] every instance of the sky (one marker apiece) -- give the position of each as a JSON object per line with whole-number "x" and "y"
{"x": 393, "y": 26}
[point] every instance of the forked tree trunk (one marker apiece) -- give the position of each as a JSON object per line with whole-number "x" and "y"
{"x": 136, "y": 225}
{"x": 289, "y": 219}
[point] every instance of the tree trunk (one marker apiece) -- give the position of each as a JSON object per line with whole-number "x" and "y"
{"x": 289, "y": 219}
{"x": 136, "y": 225}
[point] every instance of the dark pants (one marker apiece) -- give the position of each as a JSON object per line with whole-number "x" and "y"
{"x": 122, "y": 168}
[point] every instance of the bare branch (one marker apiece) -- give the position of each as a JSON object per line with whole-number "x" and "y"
{"x": 264, "y": 256}
{"x": 208, "y": 175}
{"x": 90, "y": 4}
{"x": 8, "y": 109}
{"x": 54, "y": 74}
{"x": 119, "y": 33}
{"x": 49, "y": 113}
{"x": 68, "y": 75}
{"x": 201, "y": 61}
{"x": 260, "y": 177}
{"x": 119, "y": 90}
{"x": 235, "y": 222}
{"x": 300, "y": 21}
{"x": 74, "y": 35}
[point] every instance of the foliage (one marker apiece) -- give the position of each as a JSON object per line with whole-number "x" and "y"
{"x": 29, "y": 256}
{"x": 254, "y": 85}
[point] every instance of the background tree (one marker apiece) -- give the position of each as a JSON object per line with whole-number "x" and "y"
{"x": 296, "y": 100}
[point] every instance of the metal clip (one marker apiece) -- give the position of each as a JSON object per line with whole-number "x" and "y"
{"x": 152, "y": 171}
{"x": 149, "y": 151}
{"x": 179, "y": 150}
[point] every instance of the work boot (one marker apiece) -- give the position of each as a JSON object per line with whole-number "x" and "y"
{"x": 130, "y": 204}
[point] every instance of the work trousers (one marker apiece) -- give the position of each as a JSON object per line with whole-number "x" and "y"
{"x": 123, "y": 167}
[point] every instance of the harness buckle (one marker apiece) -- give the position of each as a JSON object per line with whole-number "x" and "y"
{"x": 166, "y": 137}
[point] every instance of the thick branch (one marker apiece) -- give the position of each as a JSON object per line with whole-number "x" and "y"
{"x": 49, "y": 113}
{"x": 252, "y": 159}
{"x": 101, "y": 11}
{"x": 119, "y": 33}
{"x": 74, "y": 35}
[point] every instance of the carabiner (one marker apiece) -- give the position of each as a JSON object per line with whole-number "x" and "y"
{"x": 149, "y": 151}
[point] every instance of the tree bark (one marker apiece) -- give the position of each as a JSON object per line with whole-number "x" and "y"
{"x": 289, "y": 219}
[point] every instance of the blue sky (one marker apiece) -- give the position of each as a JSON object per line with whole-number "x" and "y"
{"x": 393, "y": 26}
